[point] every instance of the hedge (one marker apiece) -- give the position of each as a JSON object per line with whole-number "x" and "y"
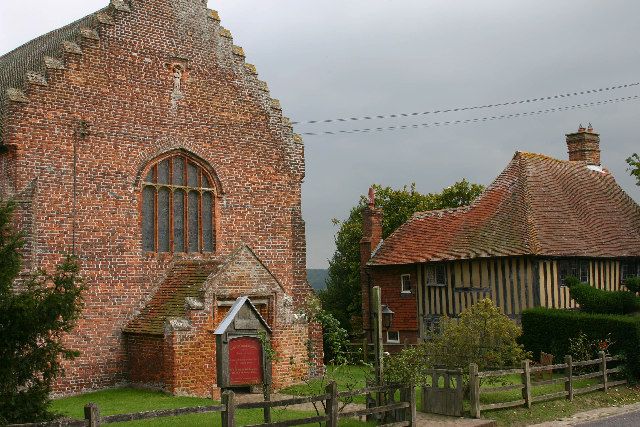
{"x": 549, "y": 330}
{"x": 592, "y": 300}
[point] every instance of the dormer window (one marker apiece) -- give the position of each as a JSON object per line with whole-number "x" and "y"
{"x": 178, "y": 197}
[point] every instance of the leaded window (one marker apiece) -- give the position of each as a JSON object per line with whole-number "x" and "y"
{"x": 629, "y": 269}
{"x": 436, "y": 275}
{"x": 178, "y": 207}
{"x": 573, "y": 268}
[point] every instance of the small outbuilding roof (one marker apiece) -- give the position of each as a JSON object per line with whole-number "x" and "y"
{"x": 233, "y": 312}
{"x": 184, "y": 280}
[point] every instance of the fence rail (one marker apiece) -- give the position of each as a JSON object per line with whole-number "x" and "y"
{"x": 404, "y": 410}
{"x": 527, "y": 385}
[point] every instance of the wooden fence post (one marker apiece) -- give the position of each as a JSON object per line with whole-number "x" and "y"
{"x": 568, "y": 384}
{"x": 365, "y": 351}
{"x": 603, "y": 368}
{"x": 229, "y": 414}
{"x": 474, "y": 390}
{"x": 92, "y": 414}
{"x": 332, "y": 404}
{"x": 526, "y": 381}
{"x": 267, "y": 409}
{"x": 408, "y": 395}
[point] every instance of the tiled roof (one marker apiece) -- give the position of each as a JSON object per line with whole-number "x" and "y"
{"x": 185, "y": 279}
{"x": 537, "y": 206}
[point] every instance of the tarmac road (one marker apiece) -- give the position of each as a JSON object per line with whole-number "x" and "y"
{"x": 631, "y": 419}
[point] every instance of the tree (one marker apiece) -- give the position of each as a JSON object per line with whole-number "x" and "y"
{"x": 34, "y": 316}
{"x": 342, "y": 298}
{"x": 634, "y": 167}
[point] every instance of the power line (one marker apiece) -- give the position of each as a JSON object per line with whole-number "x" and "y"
{"x": 477, "y": 107}
{"x": 476, "y": 120}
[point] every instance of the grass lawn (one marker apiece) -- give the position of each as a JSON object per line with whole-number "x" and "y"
{"x": 506, "y": 396}
{"x": 556, "y": 409}
{"x": 351, "y": 377}
{"x": 354, "y": 377}
{"x": 122, "y": 401}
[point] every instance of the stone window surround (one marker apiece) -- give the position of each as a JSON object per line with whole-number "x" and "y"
{"x": 170, "y": 184}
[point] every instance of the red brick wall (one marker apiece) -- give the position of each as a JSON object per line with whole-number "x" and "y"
{"x": 404, "y": 306}
{"x": 145, "y": 355}
{"x": 121, "y": 88}
{"x": 188, "y": 355}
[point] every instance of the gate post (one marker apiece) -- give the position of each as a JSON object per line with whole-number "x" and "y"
{"x": 474, "y": 390}
{"x": 229, "y": 414}
{"x": 332, "y": 404}
{"x": 603, "y": 368}
{"x": 92, "y": 415}
{"x": 568, "y": 385}
{"x": 526, "y": 381}
{"x": 408, "y": 394}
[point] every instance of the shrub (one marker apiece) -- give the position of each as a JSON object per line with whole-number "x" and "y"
{"x": 633, "y": 284}
{"x": 592, "y": 300}
{"x": 552, "y": 330}
{"x": 482, "y": 335}
{"x": 335, "y": 339}
{"x": 409, "y": 366}
{"x": 33, "y": 321}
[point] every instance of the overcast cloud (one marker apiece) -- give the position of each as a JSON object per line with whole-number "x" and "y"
{"x": 346, "y": 58}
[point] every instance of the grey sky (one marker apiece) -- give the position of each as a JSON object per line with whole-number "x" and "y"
{"x": 337, "y": 58}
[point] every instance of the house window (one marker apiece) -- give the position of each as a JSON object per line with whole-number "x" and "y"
{"x": 178, "y": 207}
{"x": 573, "y": 268}
{"x": 432, "y": 326}
{"x": 405, "y": 279}
{"x": 436, "y": 275}
{"x": 393, "y": 337}
{"x": 629, "y": 269}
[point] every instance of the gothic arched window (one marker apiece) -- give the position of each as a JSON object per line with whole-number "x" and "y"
{"x": 178, "y": 198}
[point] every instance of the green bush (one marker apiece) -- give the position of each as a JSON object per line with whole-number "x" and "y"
{"x": 482, "y": 335}
{"x": 592, "y": 300}
{"x": 633, "y": 284}
{"x": 33, "y": 322}
{"x": 552, "y": 330}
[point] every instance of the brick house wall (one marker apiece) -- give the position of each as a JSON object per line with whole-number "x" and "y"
{"x": 404, "y": 305}
{"x": 83, "y": 135}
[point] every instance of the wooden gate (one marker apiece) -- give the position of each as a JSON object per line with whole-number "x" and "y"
{"x": 444, "y": 395}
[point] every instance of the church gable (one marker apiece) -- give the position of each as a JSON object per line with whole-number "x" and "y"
{"x": 242, "y": 274}
{"x": 152, "y": 151}
{"x": 190, "y": 58}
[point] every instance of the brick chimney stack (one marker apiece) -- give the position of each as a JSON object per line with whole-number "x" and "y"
{"x": 584, "y": 146}
{"x": 371, "y": 238}
{"x": 371, "y": 229}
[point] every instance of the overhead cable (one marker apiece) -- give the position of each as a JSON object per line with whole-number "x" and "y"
{"x": 476, "y": 107}
{"x": 476, "y": 120}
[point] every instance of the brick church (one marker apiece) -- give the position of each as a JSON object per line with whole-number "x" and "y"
{"x": 139, "y": 139}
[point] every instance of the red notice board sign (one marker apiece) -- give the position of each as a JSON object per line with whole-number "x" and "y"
{"x": 245, "y": 361}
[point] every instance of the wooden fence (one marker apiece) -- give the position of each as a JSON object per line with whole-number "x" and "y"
{"x": 403, "y": 412}
{"x": 527, "y": 385}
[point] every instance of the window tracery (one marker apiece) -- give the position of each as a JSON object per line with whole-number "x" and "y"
{"x": 178, "y": 198}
